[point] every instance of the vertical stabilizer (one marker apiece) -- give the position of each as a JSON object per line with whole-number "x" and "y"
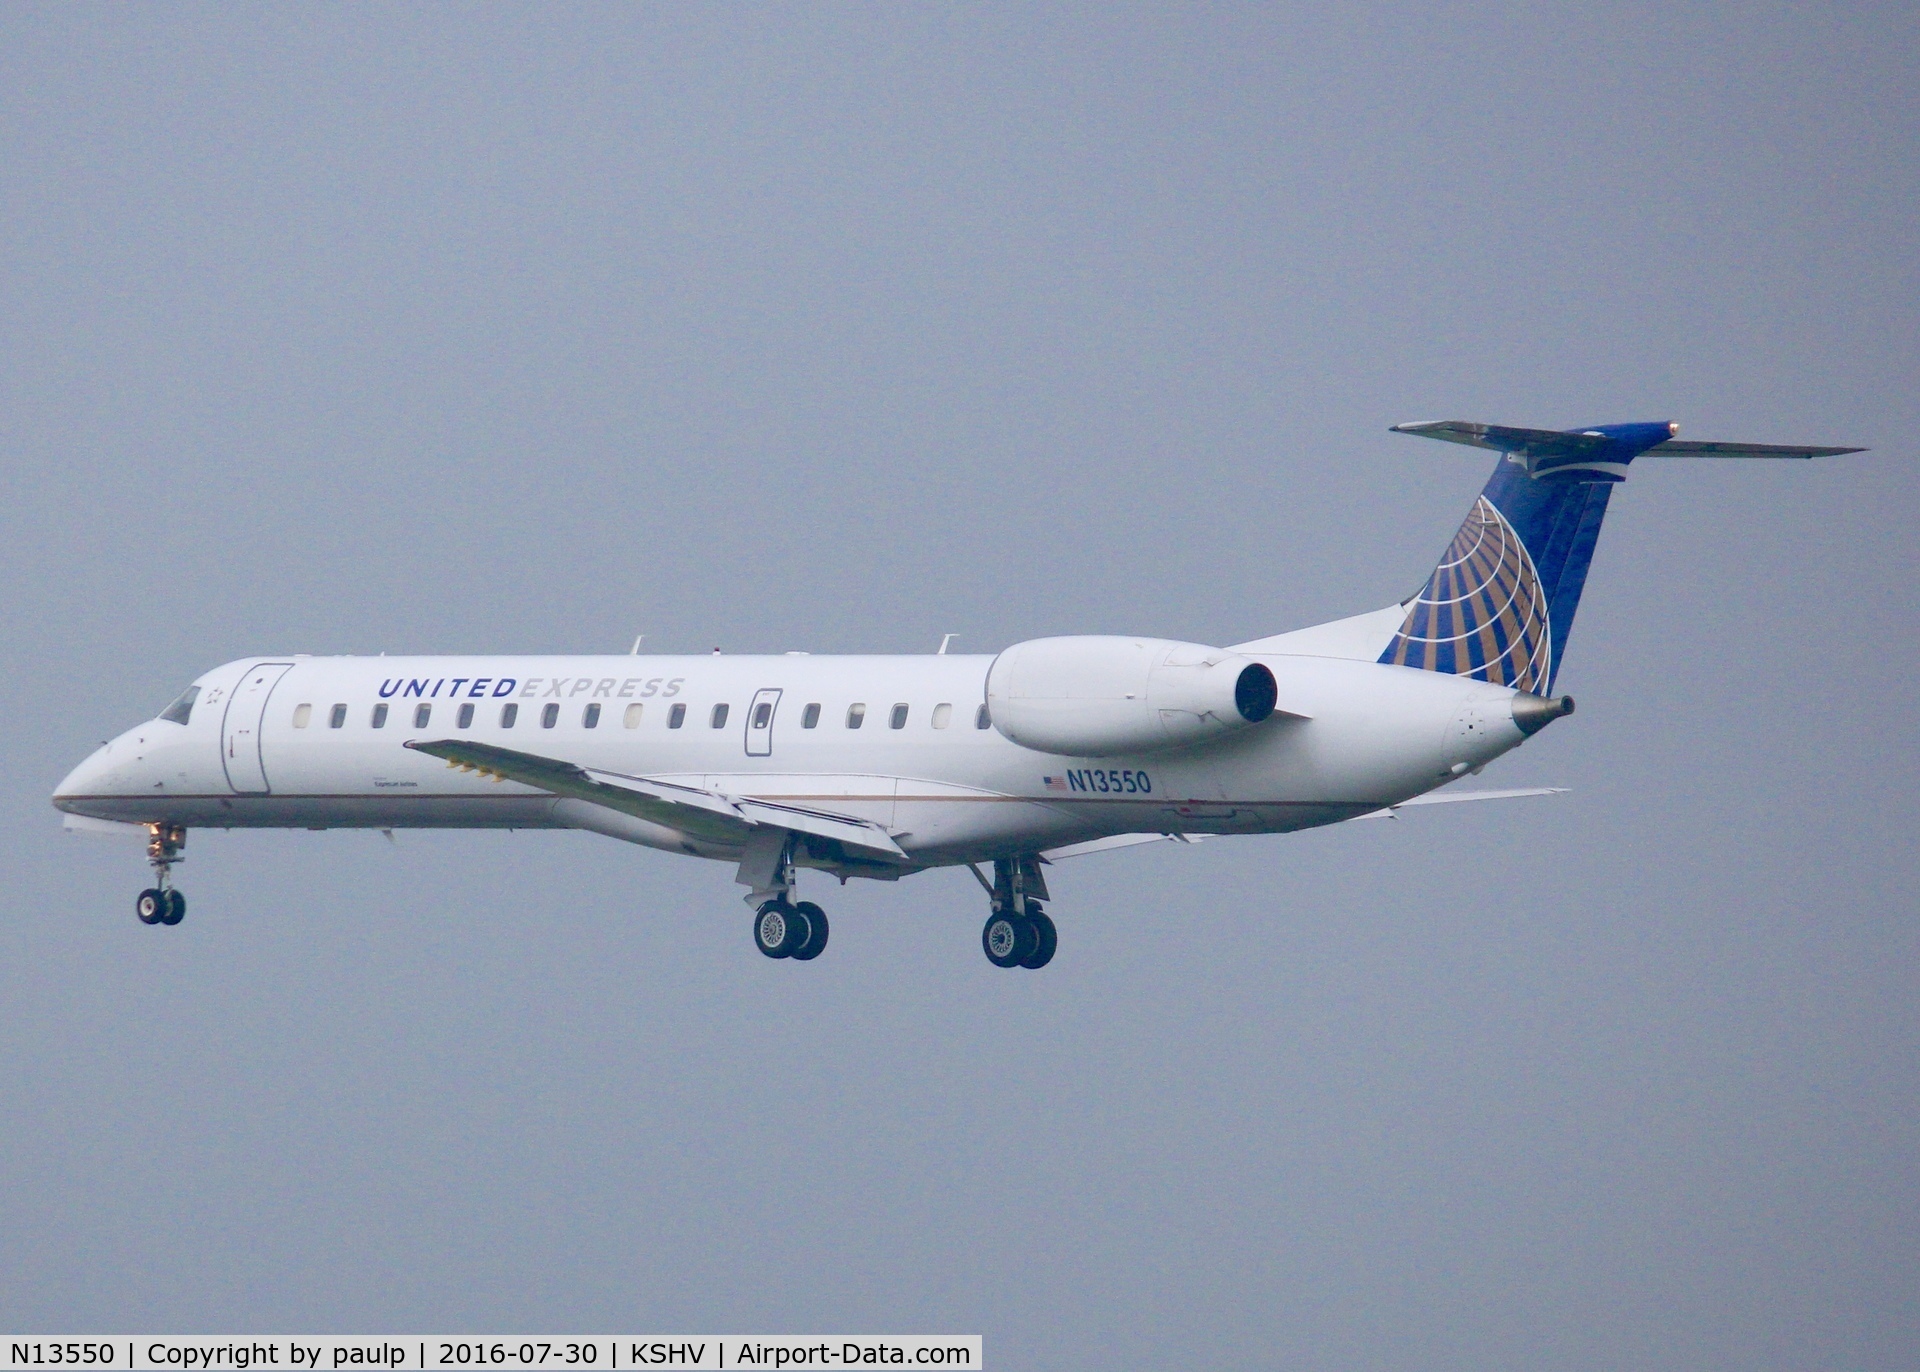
{"x": 1501, "y": 603}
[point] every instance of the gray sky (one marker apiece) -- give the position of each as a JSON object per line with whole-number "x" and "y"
{"x": 509, "y": 330}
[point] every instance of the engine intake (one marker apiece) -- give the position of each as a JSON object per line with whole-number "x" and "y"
{"x": 1104, "y": 696}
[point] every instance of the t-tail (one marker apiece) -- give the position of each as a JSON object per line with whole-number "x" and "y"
{"x": 1500, "y": 605}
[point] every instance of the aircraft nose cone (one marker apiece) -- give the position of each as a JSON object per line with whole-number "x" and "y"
{"x": 88, "y": 779}
{"x": 1532, "y": 713}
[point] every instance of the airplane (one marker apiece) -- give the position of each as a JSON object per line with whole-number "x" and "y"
{"x": 883, "y": 766}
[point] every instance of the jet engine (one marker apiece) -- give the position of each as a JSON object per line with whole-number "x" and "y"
{"x": 1103, "y": 696}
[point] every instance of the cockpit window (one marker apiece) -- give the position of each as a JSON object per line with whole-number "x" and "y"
{"x": 182, "y": 709}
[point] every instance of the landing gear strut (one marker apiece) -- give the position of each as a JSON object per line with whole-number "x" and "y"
{"x": 161, "y": 904}
{"x": 1018, "y": 932}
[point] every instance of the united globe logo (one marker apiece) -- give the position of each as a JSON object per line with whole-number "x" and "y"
{"x": 1483, "y": 613}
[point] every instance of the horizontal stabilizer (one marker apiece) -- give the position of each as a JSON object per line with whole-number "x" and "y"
{"x": 1507, "y": 439}
{"x": 1548, "y": 450}
{"x": 1683, "y": 447}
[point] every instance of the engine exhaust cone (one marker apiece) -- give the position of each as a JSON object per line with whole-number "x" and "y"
{"x": 1532, "y": 713}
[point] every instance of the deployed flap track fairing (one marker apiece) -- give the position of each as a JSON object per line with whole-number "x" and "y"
{"x": 883, "y": 766}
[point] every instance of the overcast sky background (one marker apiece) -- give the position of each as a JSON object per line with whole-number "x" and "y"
{"x": 349, "y": 330}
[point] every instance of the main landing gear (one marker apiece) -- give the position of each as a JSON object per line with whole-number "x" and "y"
{"x": 1018, "y": 932}
{"x": 782, "y": 927}
{"x": 784, "y": 930}
{"x": 161, "y": 904}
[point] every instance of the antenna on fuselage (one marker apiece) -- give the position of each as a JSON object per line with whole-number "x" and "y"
{"x": 634, "y": 651}
{"x": 945, "y": 639}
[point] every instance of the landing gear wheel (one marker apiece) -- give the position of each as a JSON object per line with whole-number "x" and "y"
{"x": 1009, "y": 940}
{"x": 779, "y": 928}
{"x": 176, "y": 908}
{"x": 816, "y": 941}
{"x": 1046, "y": 938}
{"x": 151, "y": 905}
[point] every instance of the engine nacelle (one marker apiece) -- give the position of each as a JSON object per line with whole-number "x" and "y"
{"x": 1102, "y": 696}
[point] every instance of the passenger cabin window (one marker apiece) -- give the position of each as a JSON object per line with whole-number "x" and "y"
{"x": 810, "y": 717}
{"x": 421, "y": 714}
{"x": 549, "y": 716}
{"x": 856, "y": 716}
{"x": 380, "y": 715}
{"x": 982, "y": 719}
{"x": 590, "y": 717}
{"x": 508, "y": 714}
{"x": 632, "y": 720}
{"x": 182, "y": 709}
{"x": 942, "y": 715}
{"x": 898, "y": 719}
{"x": 763, "y": 714}
{"x": 301, "y": 714}
{"x": 466, "y": 714}
{"x": 719, "y": 716}
{"x": 337, "y": 717}
{"x": 677, "y": 716}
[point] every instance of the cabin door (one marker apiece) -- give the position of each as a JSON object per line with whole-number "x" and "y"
{"x": 246, "y": 711}
{"x": 766, "y": 703}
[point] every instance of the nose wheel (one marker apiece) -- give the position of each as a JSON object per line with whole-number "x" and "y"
{"x": 155, "y": 906}
{"x": 1018, "y": 932}
{"x": 161, "y": 904}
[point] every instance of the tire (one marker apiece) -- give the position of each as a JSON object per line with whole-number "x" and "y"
{"x": 1008, "y": 940}
{"x": 1047, "y": 939}
{"x": 176, "y": 908}
{"x": 151, "y": 905}
{"x": 778, "y": 928}
{"x": 817, "y": 931}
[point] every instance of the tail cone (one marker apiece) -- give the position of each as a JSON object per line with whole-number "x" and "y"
{"x": 1532, "y": 713}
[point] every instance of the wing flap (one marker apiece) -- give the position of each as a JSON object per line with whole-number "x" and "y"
{"x": 705, "y": 814}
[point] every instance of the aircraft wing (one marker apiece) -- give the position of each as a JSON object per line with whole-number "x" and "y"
{"x": 1456, "y": 797}
{"x": 1103, "y": 845}
{"x": 703, "y": 813}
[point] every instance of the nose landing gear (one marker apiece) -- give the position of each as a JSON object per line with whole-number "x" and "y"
{"x": 161, "y": 904}
{"x": 1018, "y": 932}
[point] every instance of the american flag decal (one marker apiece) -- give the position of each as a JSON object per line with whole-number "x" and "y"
{"x": 1055, "y": 783}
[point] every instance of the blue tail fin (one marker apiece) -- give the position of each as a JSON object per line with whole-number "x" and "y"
{"x": 1500, "y": 604}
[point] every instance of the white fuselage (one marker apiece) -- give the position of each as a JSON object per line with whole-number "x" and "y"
{"x": 292, "y": 741}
